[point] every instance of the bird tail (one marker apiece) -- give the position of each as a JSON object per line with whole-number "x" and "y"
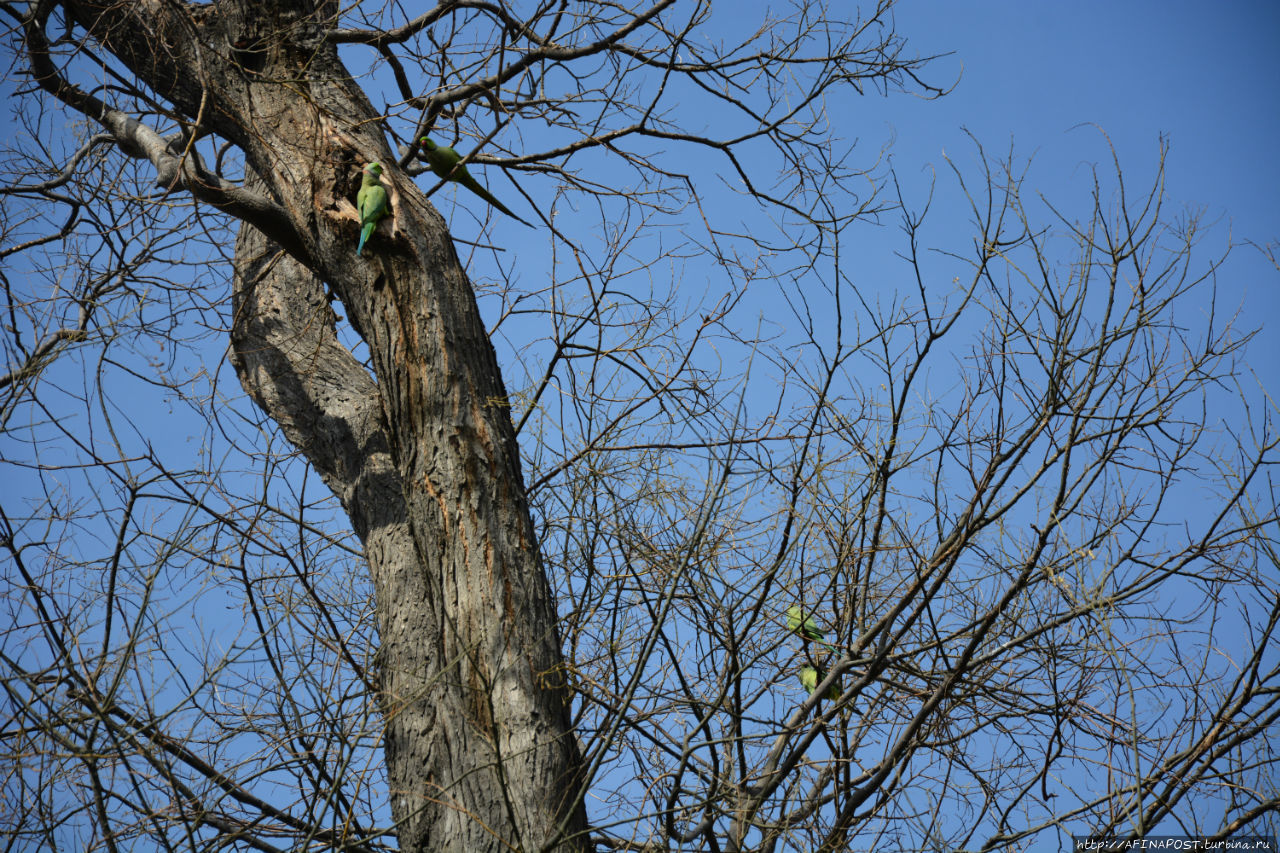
{"x": 489, "y": 197}
{"x": 474, "y": 185}
{"x": 364, "y": 235}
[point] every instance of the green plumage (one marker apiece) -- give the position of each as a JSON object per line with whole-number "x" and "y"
{"x": 444, "y": 161}
{"x": 803, "y": 624}
{"x": 371, "y": 202}
{"x": 810, "y": 676}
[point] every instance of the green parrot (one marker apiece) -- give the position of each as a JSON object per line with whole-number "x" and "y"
{"x": 371, "y": 201}
{"x": 444, "y": 161}
{"x": 801, "y": 623}
{"x": 810, "y": 676}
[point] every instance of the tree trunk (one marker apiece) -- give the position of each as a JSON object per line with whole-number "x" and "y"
{"x": 479, "y": 747}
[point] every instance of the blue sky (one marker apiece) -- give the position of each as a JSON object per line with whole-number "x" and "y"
{"x": 1204, "y": 75}
{"x": 1057, "y": 83}
{"x": 1050, "y": 79}
{"x": 1030, "y": 74}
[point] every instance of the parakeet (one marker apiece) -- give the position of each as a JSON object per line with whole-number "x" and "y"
{"x": 810, "y": 676}
{"x": 801, "y": 623}
{"x": 371, "y": 201}
{"x": 444, "y": 161}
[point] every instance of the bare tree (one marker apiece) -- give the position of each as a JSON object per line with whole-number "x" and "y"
{"x": 1025, "y": 632}
{"x": 1017, "y": 640}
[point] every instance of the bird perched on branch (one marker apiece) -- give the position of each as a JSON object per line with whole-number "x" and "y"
{"x": 445, "y": 163}
{"x": 371, "y": 202}
{"x": 803, "y": 624}
{"x": 810, "y": 675}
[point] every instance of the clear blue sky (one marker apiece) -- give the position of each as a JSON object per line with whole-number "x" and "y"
{"x": 1205, "y": 75}
{"x": 1030, "y": 72}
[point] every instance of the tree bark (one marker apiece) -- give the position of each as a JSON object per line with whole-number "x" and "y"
{"x": 479, "y": 746}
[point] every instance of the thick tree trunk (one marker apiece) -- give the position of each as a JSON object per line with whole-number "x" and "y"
{"x": 479, "y": 747}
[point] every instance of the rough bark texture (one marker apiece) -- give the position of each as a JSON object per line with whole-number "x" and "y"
{"x": 478, "y": 742}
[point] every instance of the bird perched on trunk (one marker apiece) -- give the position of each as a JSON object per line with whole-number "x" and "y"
{"x": 371, "y": 202}
{"x": 444, "y": 162}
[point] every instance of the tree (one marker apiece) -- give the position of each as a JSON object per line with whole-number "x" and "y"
{"x": 988, "y": 564}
